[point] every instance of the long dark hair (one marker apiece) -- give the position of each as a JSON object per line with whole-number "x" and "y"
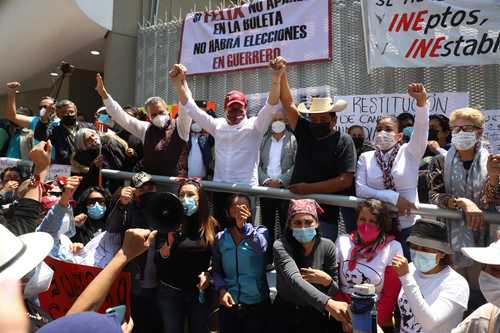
{"x": 207, "y": 223}
{"x": 81, "y": 204}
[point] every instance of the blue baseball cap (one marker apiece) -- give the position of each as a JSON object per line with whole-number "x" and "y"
{"x": 84, "y": 322}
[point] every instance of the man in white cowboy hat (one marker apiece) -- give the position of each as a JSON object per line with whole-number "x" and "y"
{"x": 326, "y": 159}
{"x": 486, "y": 318}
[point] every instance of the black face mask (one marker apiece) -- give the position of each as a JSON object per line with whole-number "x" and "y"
{"x": 433, "y": 135}
{"x": 69, "y": 120}
{"x": 358, "y": 142}
{"x": 320, "y": 130}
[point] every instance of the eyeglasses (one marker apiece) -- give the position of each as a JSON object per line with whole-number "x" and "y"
{"x": 464, "y": 128}
{"x": 91, "y": 202}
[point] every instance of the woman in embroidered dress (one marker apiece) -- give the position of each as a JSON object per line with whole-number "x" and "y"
{"x": 390, "y": 172}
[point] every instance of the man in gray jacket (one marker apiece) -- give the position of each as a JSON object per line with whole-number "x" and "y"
{"x": 277, "y": 158}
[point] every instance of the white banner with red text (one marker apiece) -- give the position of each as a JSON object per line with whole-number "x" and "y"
{"x": 430, "y": 33}
{"x": 251, "y": 35}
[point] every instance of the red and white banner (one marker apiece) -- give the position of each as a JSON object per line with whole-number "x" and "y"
{"x": 251, "y": 35}
{"x": 427, "y": 33}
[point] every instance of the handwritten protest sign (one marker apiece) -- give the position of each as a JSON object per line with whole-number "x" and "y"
{"x": 424, "y": 33}
{"x": 251, "y": 35}
{"x": 54, "y": 169}
{"x": 364, "y": 110}
{"x": 70, "y": 280}
{"x": 492, "y": 130}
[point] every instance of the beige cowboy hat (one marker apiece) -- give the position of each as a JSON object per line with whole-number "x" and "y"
{"x": 323, "y": 105}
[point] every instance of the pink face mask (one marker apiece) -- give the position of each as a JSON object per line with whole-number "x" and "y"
{"x": 368, "y": 232}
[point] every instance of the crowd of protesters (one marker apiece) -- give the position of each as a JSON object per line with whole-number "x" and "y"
{"x": 214, "y": 270}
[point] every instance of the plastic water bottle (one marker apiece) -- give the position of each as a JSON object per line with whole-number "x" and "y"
{"x": 364, "y": 309}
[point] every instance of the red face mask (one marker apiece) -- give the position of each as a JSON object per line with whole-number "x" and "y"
{"x": 368, "y": 232}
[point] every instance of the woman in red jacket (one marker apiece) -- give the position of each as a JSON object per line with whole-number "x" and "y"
{"x": 365, "y": 256}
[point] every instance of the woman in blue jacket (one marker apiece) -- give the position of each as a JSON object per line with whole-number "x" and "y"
{"x": 239, "y": 270}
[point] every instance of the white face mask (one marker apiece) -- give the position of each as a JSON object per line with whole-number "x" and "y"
{"x": 463, "y": 140}
{"x": 490, "y": 287}
{"x": 160, "y": 120}
{"x": 385, "y": 140}
{"x": 43, "y": 111}
{"x": 196, "y": 128}
{"x": 278, "y": 126}
{"x": 39, "y": 281}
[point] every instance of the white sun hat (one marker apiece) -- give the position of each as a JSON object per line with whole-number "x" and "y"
{"x": 19, "y": 255}
{"x": 485, "y": 255}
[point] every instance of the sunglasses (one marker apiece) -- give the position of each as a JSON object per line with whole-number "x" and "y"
{"x": 91, "y": 202}
{"x": 464, "y": 128}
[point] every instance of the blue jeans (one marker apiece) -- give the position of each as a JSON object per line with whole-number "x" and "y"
{"x": 176, "y": 305}
{"x": 329, "y": 230}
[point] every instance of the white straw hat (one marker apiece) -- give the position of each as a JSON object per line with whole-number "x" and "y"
{"x": 485, "y": 255}
{"x": 323, "y": 105}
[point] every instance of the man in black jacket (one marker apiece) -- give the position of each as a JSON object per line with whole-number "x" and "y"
{"x": 62, "y": 136}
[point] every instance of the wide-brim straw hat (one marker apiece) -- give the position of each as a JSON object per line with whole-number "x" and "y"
{"x": 323, "y": 105}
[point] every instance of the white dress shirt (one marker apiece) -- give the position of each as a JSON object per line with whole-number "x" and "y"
{"x": 196, "y": 167}
{"x": 138, "y": 127}
{"x": 370, "y": 177}
{"x": 274, "y": 166}
{"x": 236, "y": 146}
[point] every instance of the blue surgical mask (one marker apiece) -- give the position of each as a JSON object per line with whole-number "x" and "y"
{"x": 96, "y": 211}
{"x": 304, "y": 235}
{"x": 423, "y": 261}
{"x": 190, "y": 206}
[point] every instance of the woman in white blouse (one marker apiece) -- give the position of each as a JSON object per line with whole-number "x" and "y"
{"x": 389, "y": 173}
{"x": 433, "y": 296}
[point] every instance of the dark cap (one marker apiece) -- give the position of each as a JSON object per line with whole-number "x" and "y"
{"x": 430, "y": 233}
{"x": 140, "y": 179}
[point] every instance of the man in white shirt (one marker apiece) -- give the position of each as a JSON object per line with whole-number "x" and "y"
{"x": 200, "y": 159}
{"x": 164, "y": 138}
{"x": 237, "y": 138}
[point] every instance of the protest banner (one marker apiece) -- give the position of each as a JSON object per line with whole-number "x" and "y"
{"x": 426, "y": 33}
{"x": 70, "y": 280}
{"x": 250, "y": 35}
{"x": 364, "y": 110}
{"x": 54, "y": 169}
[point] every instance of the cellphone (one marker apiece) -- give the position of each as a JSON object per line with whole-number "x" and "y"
{"x": 118, "y": 311}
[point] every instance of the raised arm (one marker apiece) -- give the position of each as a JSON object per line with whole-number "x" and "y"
{"x": 136, "y": 242}
{"x": 130, "y": 124}
{"x": 292, "y": 114}
{"x": 18, "y": 119}
{"x": 187, "y": 106}
{"x": 418, "y": 140}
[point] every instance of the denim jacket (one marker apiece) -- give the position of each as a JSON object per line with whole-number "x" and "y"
{"x": 241, "y": 269}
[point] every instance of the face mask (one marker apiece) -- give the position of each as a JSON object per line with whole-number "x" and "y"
{"x": 490, "y": 287}
{"x": 104, "y": 118}
{"x": 96, "y": 211}
{"x": 423, "y": 261}
{"x": 304, "y": 235}
{"x": 69, "y": 120}
{"x": 278, "y": 126}
{"x": 320, "y": 130}
{"x": 190, "y": 206}
{"x": 196, "y": 128}
{"x": 160, "y": 120}
{"x": 433, "y": 136}
{"x": 368, "y": 232}
{"x": 463, "y": 140}
{"x": 407, "y": 132}
{"x": 39, "y": 281}
{"x": 358, "y": 142}
{"x": 43, "y": 111}
{"x": 385, "y": 140}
